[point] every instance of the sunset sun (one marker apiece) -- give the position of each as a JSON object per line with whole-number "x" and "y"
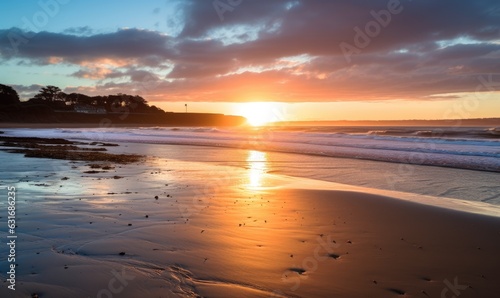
{"x": 260, "y": 113}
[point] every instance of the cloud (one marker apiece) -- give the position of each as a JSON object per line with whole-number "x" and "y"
{"x": 202, "y": 16}
{"x": 284, "y": 50}
{"x": 122, "y": 44}
{"x": 26, "y": 92}
{"x": 84, "y": 30}
{"x": 30, "y": 88}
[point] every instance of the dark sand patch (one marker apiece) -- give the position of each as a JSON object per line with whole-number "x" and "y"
{"x": 63, "y": 149}
{"x": 106, "y": 167}
{"x": 93, "y": 172}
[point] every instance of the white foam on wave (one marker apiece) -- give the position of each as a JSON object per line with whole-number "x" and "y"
{"x": 494, "y": 131}
{"x": 476, "y": 154}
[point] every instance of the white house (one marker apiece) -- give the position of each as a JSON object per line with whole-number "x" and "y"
{"x": 88, "y": 109}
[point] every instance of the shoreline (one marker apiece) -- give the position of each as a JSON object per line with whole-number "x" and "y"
{"x": 407, "y": 151}
{"x": 390, "y": 185}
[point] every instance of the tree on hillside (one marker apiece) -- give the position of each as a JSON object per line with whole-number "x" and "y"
{"x": 137, "y": 103}
{"x": 72, "y": 98}
{"x": 8, "y": 95}
{"x": 50, "y": 94}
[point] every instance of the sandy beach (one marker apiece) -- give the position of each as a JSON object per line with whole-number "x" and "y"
{"x": 171, "y": 228}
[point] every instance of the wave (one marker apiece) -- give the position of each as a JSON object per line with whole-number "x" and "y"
{"x": 434, "y": 132}
{"x": 377, "y": 132}
{"x": 425, "y": 133}
{"x": 494, "y": 131}
{"x": 382, "y": 145}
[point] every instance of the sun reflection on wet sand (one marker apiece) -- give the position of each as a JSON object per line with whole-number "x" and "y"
{"x": 257, "y": 163}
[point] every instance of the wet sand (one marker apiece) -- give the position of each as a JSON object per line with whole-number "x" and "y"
{"x": 168, "y": 228}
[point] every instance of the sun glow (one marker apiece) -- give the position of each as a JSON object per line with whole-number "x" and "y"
{"x": 261, "y": 113}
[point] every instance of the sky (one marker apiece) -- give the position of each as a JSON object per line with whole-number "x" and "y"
{"x": 287, "y": 59}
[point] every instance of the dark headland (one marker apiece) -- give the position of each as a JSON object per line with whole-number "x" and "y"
{"x": 52, "y": 106}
